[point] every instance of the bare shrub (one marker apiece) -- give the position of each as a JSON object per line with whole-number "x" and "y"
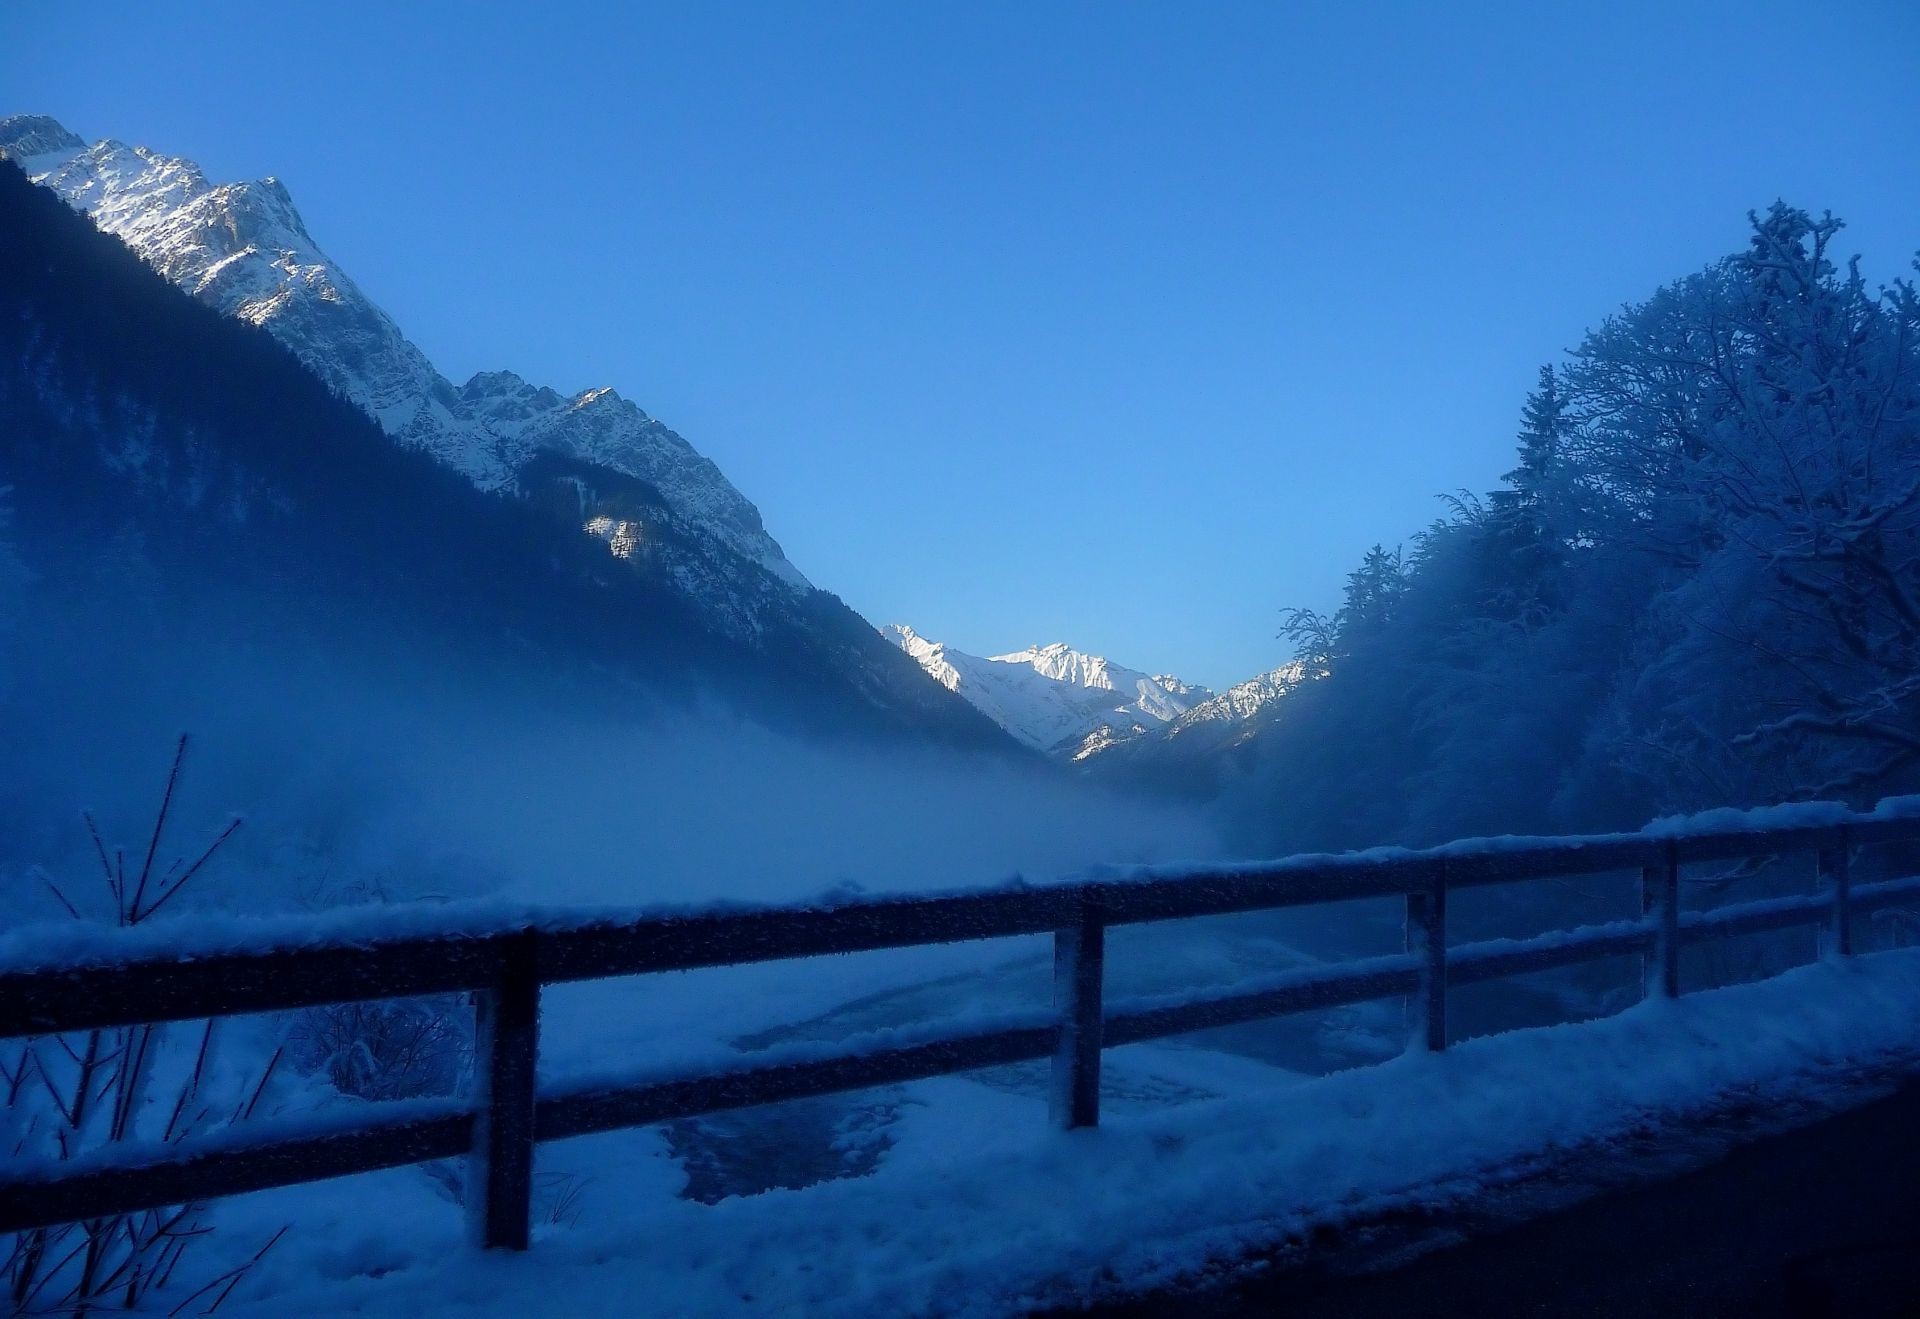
{"x": 69, "y": 1095}
{"x": 381, "y": 1049}
{"x": 388, "y": 1048}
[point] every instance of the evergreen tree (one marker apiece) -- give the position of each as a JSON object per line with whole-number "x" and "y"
{"x": 1520, "y": 525}
{"x": 1374, "y": 592}
{"x": 1542, "y": 422}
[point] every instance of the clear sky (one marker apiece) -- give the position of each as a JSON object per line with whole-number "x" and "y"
{"x": 1123, "y": 324}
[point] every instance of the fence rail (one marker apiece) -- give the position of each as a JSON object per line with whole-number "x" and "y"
{"x": 497, "y": 1127}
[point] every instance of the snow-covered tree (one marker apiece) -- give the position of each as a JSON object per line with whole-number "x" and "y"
{"x": 1700, "y": 583}
{"x": 1758, "y": 428}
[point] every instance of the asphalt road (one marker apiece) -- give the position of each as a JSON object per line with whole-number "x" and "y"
{"x": 1820, "y": 1221}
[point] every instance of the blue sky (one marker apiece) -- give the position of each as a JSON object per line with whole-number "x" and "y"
{"x": 1123, "y": 324}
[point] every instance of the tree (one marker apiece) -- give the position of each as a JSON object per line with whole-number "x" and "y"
{"x": 1542, "y": 422}
{"x": 14, "y": 577}
{"x": 1373, "y": 594}
{"x": 1699, "y": 584}
{"x": 1758, "y": 427}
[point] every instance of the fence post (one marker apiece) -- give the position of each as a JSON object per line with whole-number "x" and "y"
{"x": 506, "y": 1049}
{"x": 1079, "y": 956}
{"x": 1426, "y": 936}
{"x": 1836, "y": 871}
{"x": 1660, "y": 893}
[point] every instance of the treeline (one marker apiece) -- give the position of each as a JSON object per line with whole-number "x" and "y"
{"x": 1700, "y": 584}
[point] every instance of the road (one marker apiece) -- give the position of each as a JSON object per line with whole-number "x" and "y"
{"x": 1819, "y": 1221}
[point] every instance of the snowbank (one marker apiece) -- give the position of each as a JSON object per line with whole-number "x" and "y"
{"x": 980, "y": 1209}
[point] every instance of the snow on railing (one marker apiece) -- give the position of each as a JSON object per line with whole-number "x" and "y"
{"x": 65, "y": 980}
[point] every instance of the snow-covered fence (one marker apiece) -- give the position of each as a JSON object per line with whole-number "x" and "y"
{"x": 80, "y": 982}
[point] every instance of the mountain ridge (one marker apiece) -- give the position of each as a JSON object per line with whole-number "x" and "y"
{"x": 1052, "y": 697}
{"x": 1105, "y": 718}
{"x": 244, "y": 248}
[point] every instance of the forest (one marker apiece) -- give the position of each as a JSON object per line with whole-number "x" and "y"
{"x": 1697, "y": 586}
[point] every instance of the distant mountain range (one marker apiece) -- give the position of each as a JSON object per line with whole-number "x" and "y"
{"x": 1052, "y": 698}
{"x": 1105, "y": 717}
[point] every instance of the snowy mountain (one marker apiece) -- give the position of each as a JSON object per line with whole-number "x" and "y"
{"x": 1053, "y": 698}
{"x": 1197, "y": 752}
{"x": 1150, "y": 730}
{"x": 243, "y": 248}
{"x": 661, "y": 511}
{"x": 1234, "y": 714}
{"x": 162, "y": 460}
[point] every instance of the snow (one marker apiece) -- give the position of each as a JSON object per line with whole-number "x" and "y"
{"x": 1787, "y": 815}
{"x": 975, "y": 1205}
{"x": 1052, "y": 698}
{"x": 1160, "y": 698}
{"x": 1208, "y": 728}
{"x": 68, "y": 943}
{"x": 979, "y": 1208}
{"x": 1244, "y": 700}
{"x": 1080, "y": 705}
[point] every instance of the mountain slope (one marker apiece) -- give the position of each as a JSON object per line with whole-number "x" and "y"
{"x": 1053, "y": 698}
{"x": 1225, "y": 720}
{"x": 162, "y": 453}
{"x": 243, "y": 249}
{"x": 1197, "y": 753}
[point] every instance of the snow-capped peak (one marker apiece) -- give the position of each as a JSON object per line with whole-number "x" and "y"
{"x": 1157, "y": 699}
{"x": 36, "y": 142}
{"x": 1051, "y": 697}
{"x": 1243, "y": 700}
{"x": 1202, "y": 733}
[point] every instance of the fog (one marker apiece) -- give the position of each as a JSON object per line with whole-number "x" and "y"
{"x": 360, "y": 777}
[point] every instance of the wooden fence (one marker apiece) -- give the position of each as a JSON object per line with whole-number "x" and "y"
{"x": 497, "y": 1126}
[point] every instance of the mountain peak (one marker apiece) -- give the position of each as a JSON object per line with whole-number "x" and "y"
{"x": 30, "y": 137}
{"x": 494, "y": 382}
{"x": 262, "y": 212}
{"x": 1052, "y": 697}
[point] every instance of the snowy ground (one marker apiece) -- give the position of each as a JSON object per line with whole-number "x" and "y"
{"x": 970, "y": 1204}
